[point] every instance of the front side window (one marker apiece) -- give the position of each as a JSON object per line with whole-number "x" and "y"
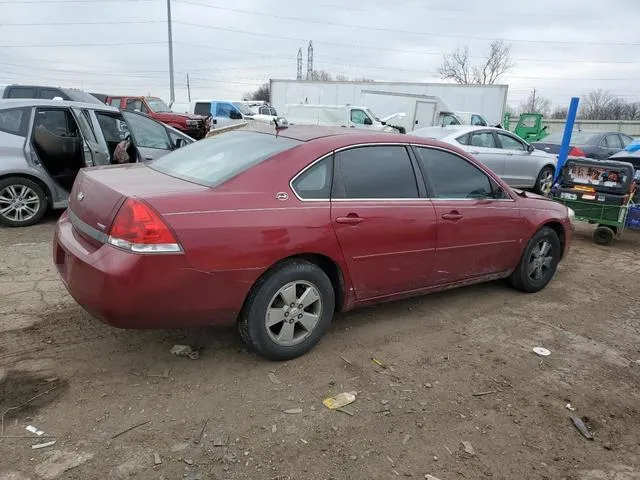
{"x": 358, "y": 117}
{"x": 626, "y": 140}
{"x": 147, "y": 133}
{"x": 376, "y": 172}
{"x": 223, "y": 110}
{"x": 483, "y": 140}
{"x": 115, "y": 102}
{"x": 136, "y": 105}
{"x": 450, "y": 120}
{"x": 51, "y": 93}
{"x": 453, "y": 177}
{"x": 215, "y": 160}
{"x": 478, "y": 120}
{"x": 315, "y": 183}
{"x": 114, "y": 129}
{"x": 510, "y": 143}
{"x": 15, "y": 121}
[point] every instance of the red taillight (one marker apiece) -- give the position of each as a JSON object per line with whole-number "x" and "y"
{"x": 138, "y": 228}
{"x": 576, "y": 152}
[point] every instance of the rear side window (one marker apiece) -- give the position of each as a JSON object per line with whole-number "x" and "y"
{"x": 478, "y": 120}
{"x": 15, "y": 121}
{"x": 202, "y": 108}
{"x": 315, "y": 183}
{"x": 115, "y": 102}
{"x": 51, "y": 93}
{"x": 21, "y": 92}
{"x": 453, "y": 177}
{"x": 214, "y": 160}
{"x": 375, "y": 172}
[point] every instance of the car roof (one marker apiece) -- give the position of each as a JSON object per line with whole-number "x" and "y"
{"x": 454, "y": 129}
{"x": 36, "y": 102}
{"x": 308, "y": 133}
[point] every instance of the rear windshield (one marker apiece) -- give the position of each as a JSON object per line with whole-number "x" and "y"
{"x": 215, "y": 160}
{"x": 577, "y": 138}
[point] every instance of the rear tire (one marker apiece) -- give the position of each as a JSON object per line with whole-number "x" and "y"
{"x": 288, "y": 311}
{"x": 538, "y": 263}
{"x": 604, "y": 235}
{"x": 544, "y": 181}
{"x": 22, "y": 202}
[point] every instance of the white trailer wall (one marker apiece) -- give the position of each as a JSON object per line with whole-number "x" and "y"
{"x": 489, "y": 100}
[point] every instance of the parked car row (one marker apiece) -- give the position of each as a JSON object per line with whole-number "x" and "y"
{"x": 45, "y": 143}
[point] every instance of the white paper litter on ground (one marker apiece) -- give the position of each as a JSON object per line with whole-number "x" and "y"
{"x": 33, "y": 429}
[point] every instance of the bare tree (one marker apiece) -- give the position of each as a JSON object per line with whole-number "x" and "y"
{"x": 598, "y": 105}
{"x": 457, "y": 66}
{"x": 344, "y": 78}
{"x": 320, "y": 75}
{"x": 262, "y": 93}
{"x": 535, "y": 104}
{"x": 559, "y": 113}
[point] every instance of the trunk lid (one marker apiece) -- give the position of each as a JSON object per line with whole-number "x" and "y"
{"x": 547, "y": 147}
{"x": 98, "y": 193}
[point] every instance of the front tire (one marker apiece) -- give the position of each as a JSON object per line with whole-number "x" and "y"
{"x": 544, "y": 181}
{"x": 22, "y": 202}
{"x": 288, "y": 311}
{"x": 538, "y": 263}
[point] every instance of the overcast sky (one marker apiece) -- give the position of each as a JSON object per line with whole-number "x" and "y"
{"x": 229, "y": 47}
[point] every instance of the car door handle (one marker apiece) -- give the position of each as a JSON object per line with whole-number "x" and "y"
{"x": 474, "y": 152}
{"x": 452, "y": 215}
{"x": 350, "y": 219}
{"x": 148, "y": 157}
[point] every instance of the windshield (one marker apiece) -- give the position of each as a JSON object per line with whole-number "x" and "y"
{"x": 577, "y": 138}
{"x": 157, "y": 105}
{"x": 215, "y": 160}
{"x": 372, "y": 115}
{"x": 244, "y": 108}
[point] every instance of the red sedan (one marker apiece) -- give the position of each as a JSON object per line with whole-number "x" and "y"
{"x": 277, "y": 231}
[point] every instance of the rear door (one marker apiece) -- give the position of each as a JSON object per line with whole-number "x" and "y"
{"x": 478, "y": 228}
{"x": 384, "y": 224}
{"x": 609, "y": 145}
{"x": 95, "y": 150}
{"x": 520, "y": 167}
{"x": 424, "y": 115}
{"x": 150, "y": 137}
{"x": 484, "y": 146}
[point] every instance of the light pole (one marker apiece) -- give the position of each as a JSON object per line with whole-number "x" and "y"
{"x": 172, "y": 92}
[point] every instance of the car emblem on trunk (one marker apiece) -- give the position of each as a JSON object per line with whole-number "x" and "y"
{"x": 282, "y": 196}
{"x": 80, "y": 196}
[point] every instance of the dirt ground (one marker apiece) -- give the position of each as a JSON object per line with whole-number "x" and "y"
{"x": 459, "y": 368}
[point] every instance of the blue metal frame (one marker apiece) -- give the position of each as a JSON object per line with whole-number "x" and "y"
{"x": 566, "y": 139}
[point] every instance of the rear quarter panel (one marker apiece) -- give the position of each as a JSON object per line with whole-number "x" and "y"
{"x": 240, "y": 229}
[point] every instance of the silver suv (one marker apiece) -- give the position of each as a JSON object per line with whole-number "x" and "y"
{"x": 44, "y": 143}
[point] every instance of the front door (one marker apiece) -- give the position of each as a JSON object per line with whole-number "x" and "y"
{"x": 384, "y": 224}
{"x": 478, "y": 225}
{"x": 95, "y": 151}
{"x": 521, "y": 168}
{"x": 150, "y": 137}
{"x": 424, "y": 115}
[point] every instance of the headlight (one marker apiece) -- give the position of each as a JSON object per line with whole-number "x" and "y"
{"x": 193, "y": 123}
{"x": 571, "y": 213}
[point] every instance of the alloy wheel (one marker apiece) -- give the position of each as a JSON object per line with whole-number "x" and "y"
{"x": 540, "y": 261}
{"x": 19, "y": 203}
{"x": 293, "y": 313}
{"x": 546, "y": 182}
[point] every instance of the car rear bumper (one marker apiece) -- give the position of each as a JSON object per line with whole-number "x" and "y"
{"x": 128, "y": 290}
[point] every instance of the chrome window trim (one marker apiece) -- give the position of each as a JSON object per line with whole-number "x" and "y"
{"x": 387, "y": 144}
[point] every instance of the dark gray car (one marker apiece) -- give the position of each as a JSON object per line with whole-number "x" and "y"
{"x": 598, "y": 145}
{"x": 45, "y": 143}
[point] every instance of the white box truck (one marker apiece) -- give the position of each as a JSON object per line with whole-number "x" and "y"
{"x": 486, "y": 100}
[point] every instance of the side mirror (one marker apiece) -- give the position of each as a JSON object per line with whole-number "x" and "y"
{"x": 368, "y": 121}
{"x": 180, "y": 142}
{"x": 235, "y": 115}
{"x": 530, "y": 148}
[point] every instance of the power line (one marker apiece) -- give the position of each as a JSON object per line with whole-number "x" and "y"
{"x": 379, "y": 48}
{"x": 56, "y": 45}
{"x": 392, "y": 30}
{"x": 57, "y": 24}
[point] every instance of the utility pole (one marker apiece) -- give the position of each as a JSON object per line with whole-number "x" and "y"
{"x": 172, "y": 92}
{"x": 188, "y": 88}
{"x": 309, "y": 60}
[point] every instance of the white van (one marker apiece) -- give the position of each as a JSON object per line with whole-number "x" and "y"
{"x": 336, "y": 116}
{"x": 229, "y": 112}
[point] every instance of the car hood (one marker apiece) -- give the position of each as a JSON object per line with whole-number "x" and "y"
{"x": 543, "y": 154}
{"x": 173, "y": 115}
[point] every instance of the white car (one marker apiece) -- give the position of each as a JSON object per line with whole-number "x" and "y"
{"x": 514, "y": 160}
